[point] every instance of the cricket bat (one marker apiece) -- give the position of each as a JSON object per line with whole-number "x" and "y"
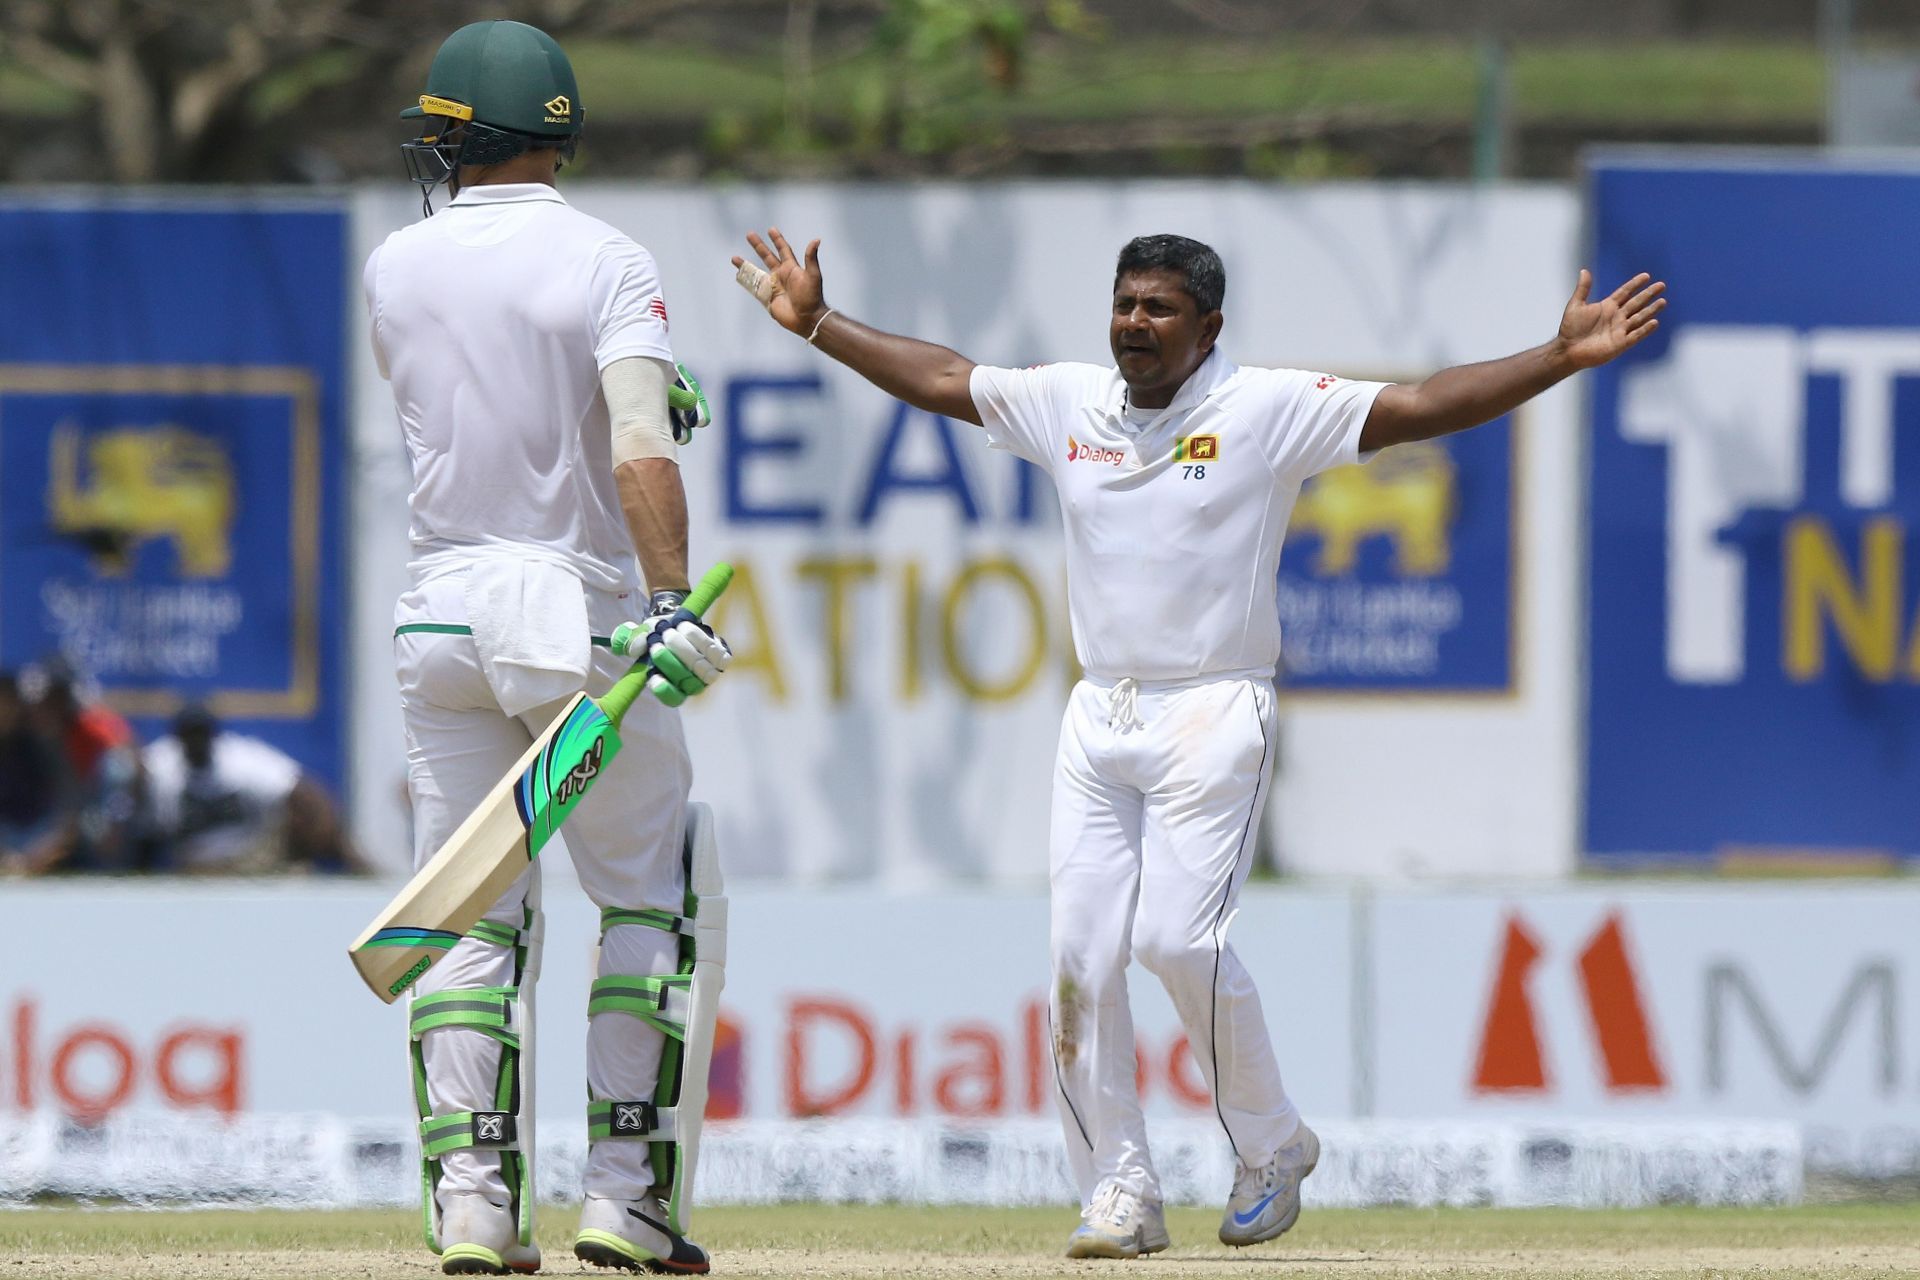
{"x": 481, "y": 860}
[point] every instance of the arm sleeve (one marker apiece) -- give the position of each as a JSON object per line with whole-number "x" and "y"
{"x": 1319, "y": 418}
{"x": 636, "y": 392}
{"x": 1017, "y": 409}
{"x": 368, "y": 282}
{"x": 629, "y": 313}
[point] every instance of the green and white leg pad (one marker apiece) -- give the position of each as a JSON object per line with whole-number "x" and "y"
{"x": 501, "y": 1014}
{"x": 684, "y": 1006}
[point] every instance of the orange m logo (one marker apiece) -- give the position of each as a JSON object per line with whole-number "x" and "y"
{"x": 1510, "y": 1060}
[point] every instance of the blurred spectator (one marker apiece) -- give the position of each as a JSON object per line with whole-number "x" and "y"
{"x": 222, "y": 802}
{"x": 96, "y": 768}
{"x": 29, "y": 778}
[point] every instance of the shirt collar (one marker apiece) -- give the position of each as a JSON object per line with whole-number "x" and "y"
{"x": 1201, "y": 383}
{"x": 507, "y": 193}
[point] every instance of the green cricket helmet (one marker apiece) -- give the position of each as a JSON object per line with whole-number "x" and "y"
{"x": 495, "y": 90}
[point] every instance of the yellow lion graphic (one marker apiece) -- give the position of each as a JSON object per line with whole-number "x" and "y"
{"x": 1407, "y": 494}
{"x": 145, "y": 483}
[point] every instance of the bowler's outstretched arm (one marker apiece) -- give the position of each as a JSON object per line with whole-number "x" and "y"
{"x": 924, "y": 374}
{"x": 1591, "y": 333}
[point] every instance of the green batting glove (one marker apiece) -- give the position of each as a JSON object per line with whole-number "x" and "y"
{"x": 687, "y": 407}
{"x": 685, "y": 654}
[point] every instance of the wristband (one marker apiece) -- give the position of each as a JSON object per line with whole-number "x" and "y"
{"x": 816, "y": 327}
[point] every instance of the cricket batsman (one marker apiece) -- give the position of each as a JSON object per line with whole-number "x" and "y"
{"x": 1177, "y": 470}
{"x": 527, "y": 347}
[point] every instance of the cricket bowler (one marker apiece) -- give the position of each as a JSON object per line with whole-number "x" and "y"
{"x": 527, "y": 347}
{"x": 1176, "y": 471}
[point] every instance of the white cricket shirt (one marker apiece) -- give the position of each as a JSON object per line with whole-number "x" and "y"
{"x": 1174, "y": 527}
{"x": 493, "y": 319}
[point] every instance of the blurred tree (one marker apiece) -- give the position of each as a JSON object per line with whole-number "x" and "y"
{"x": 301, "y": 90}
{"x": 932, "y": 33}
{"x": 180, "y": 90}
{"x": 936, "y": 47}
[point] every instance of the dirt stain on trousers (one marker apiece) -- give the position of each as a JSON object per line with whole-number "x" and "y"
{"x": 1066, "y": 1020}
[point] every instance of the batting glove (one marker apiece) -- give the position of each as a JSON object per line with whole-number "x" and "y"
{"x": 686, "y": 656}
{"x": 687, "y": 408}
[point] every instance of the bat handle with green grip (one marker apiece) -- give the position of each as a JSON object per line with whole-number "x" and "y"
{"x": 628, "y": 687}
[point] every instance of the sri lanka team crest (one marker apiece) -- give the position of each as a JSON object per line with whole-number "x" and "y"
{"x": 1196, "y": 449}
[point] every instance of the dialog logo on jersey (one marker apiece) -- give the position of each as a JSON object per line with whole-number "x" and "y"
{"x": 1510, "y": 1060}
{"x": 1077, "y": 452}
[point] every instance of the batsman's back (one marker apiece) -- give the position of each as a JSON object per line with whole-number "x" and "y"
{"x": 493, "y": 319}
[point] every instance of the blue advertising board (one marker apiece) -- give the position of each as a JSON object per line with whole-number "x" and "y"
{"x": 1398, "y": 577}
{"x": 171, "y": 443}
{"x": 1755, "y": 490}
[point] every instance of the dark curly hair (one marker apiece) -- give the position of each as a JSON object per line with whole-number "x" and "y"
{"x": 1203, "y": 274}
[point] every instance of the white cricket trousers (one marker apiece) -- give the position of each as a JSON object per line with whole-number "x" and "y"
{"x": 1157, "y": 792}
{"x": 625, "y": 841}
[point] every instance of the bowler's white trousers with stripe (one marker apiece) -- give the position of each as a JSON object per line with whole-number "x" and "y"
{"x": 1157, "y": 793}
{"x": 625, "y": 841}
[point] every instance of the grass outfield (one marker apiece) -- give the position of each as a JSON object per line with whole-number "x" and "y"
{"x": 1426, "y": 79}
{"x": 813, "y": 1241}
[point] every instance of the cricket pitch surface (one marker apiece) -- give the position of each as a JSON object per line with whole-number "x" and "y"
{"x": 868, "y": 1242}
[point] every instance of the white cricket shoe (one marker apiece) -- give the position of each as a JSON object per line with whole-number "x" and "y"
{"x": 480, "y": 1238}
{"x": 633, "y": 1235}
{"x": 1117, "y": 1223}
{"x": 1266, "y": 1200}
